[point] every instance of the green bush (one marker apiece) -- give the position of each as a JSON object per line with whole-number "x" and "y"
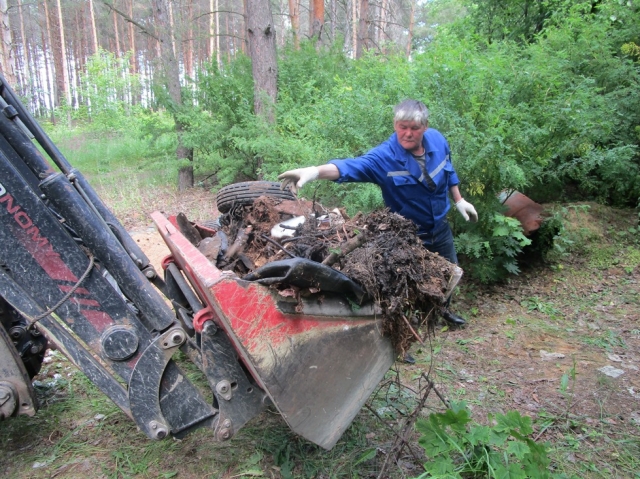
{"x": 456, "y": 447}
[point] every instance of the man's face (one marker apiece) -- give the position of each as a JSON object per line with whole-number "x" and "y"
{"x": 410, "y": 135}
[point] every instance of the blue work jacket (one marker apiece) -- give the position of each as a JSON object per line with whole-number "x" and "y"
{"x": 405, "y": 189}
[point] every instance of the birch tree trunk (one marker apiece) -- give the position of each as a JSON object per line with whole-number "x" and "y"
{"x": 333, "y": 18}
{"x": 262, "y": 48}
{"x": 49, "y": 69}
{"x": 172, "y": 29}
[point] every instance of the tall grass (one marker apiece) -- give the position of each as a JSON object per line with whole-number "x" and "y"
{"x": 129, "y": 168}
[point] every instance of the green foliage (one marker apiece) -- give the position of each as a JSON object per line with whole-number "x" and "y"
{"x": 519, "y": 20}
{"x": 457, "y": 447}
{"x": 109, "y": 91}
{"x": 491, "y": 248}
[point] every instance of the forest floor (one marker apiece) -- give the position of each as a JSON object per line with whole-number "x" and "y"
{"x": 559, "y": 343}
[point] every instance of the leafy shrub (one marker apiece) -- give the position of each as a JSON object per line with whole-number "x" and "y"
{"x": 458, "y": 448}
{"x": 491, "y": 248}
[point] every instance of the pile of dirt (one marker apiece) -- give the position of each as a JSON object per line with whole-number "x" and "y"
{"x": 380, "y": 251}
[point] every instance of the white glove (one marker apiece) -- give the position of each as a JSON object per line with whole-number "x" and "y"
{"x": 467, "y": 210}
{"x": 296, "y": 179}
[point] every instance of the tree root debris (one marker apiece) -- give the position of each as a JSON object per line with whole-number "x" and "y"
{"x": 380, "y": 251}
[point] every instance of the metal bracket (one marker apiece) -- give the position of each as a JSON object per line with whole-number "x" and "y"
{"x": 144, "y": 385}
{"x": 239, "y": 399}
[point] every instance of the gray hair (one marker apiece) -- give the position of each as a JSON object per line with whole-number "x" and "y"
{"x": 411, "y": 110}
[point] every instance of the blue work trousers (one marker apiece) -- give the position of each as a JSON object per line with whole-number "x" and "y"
{"x": 440, "y": 240}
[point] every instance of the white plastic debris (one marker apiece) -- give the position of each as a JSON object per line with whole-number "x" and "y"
{"x": 547, "y": 356}
{"x": 287, "y": 228}
{"x": 611, "y": 371}
{"x": 633, "y": 393}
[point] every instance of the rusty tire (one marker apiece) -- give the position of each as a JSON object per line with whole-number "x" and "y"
{"x": 245, "y": 193}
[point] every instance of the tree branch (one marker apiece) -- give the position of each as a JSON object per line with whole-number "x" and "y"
{"x": 217, "y": 11}
{"x": 127, "y": 18}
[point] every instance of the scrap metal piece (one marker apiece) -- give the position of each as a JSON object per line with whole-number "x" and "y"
{"x": 524, "y": 209}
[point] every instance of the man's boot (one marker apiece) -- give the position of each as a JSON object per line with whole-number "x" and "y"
{"x": 452, "y": 319}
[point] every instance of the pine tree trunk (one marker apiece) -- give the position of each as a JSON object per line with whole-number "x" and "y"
{"x": 354, "y": 28}
{"x": 66, "y": 88}
{"x": 212, "y": 32}
{"x": 94, "y": 30}
{"x": 264, "y": 67}
{"x": 294, "y": 14}
{"x": 172, "y": 80}
{"x": 117, "y": 34}
{"x": 228, "y": 38}
{"x": 188, "y": 54}
{"x": 8, "y": 60}
{"x": 411, "y": 21}
{"x": 383, "y": 22}
{"x": 132, "y": 42}
{"x": 218, "y": 59}
{"x": 79, "y": 50}
{"x": 362, "y": 27}
{"x": 318, "y": 19}
{"x": 245, "y": 37}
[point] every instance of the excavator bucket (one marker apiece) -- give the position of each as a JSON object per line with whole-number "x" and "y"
{"x": 318, "y": 359}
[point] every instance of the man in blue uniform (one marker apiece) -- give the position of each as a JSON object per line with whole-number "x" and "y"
{"x": 414, "y": 171}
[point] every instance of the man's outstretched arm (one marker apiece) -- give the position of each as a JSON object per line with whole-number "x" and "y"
{"x": 296, "y": 179}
